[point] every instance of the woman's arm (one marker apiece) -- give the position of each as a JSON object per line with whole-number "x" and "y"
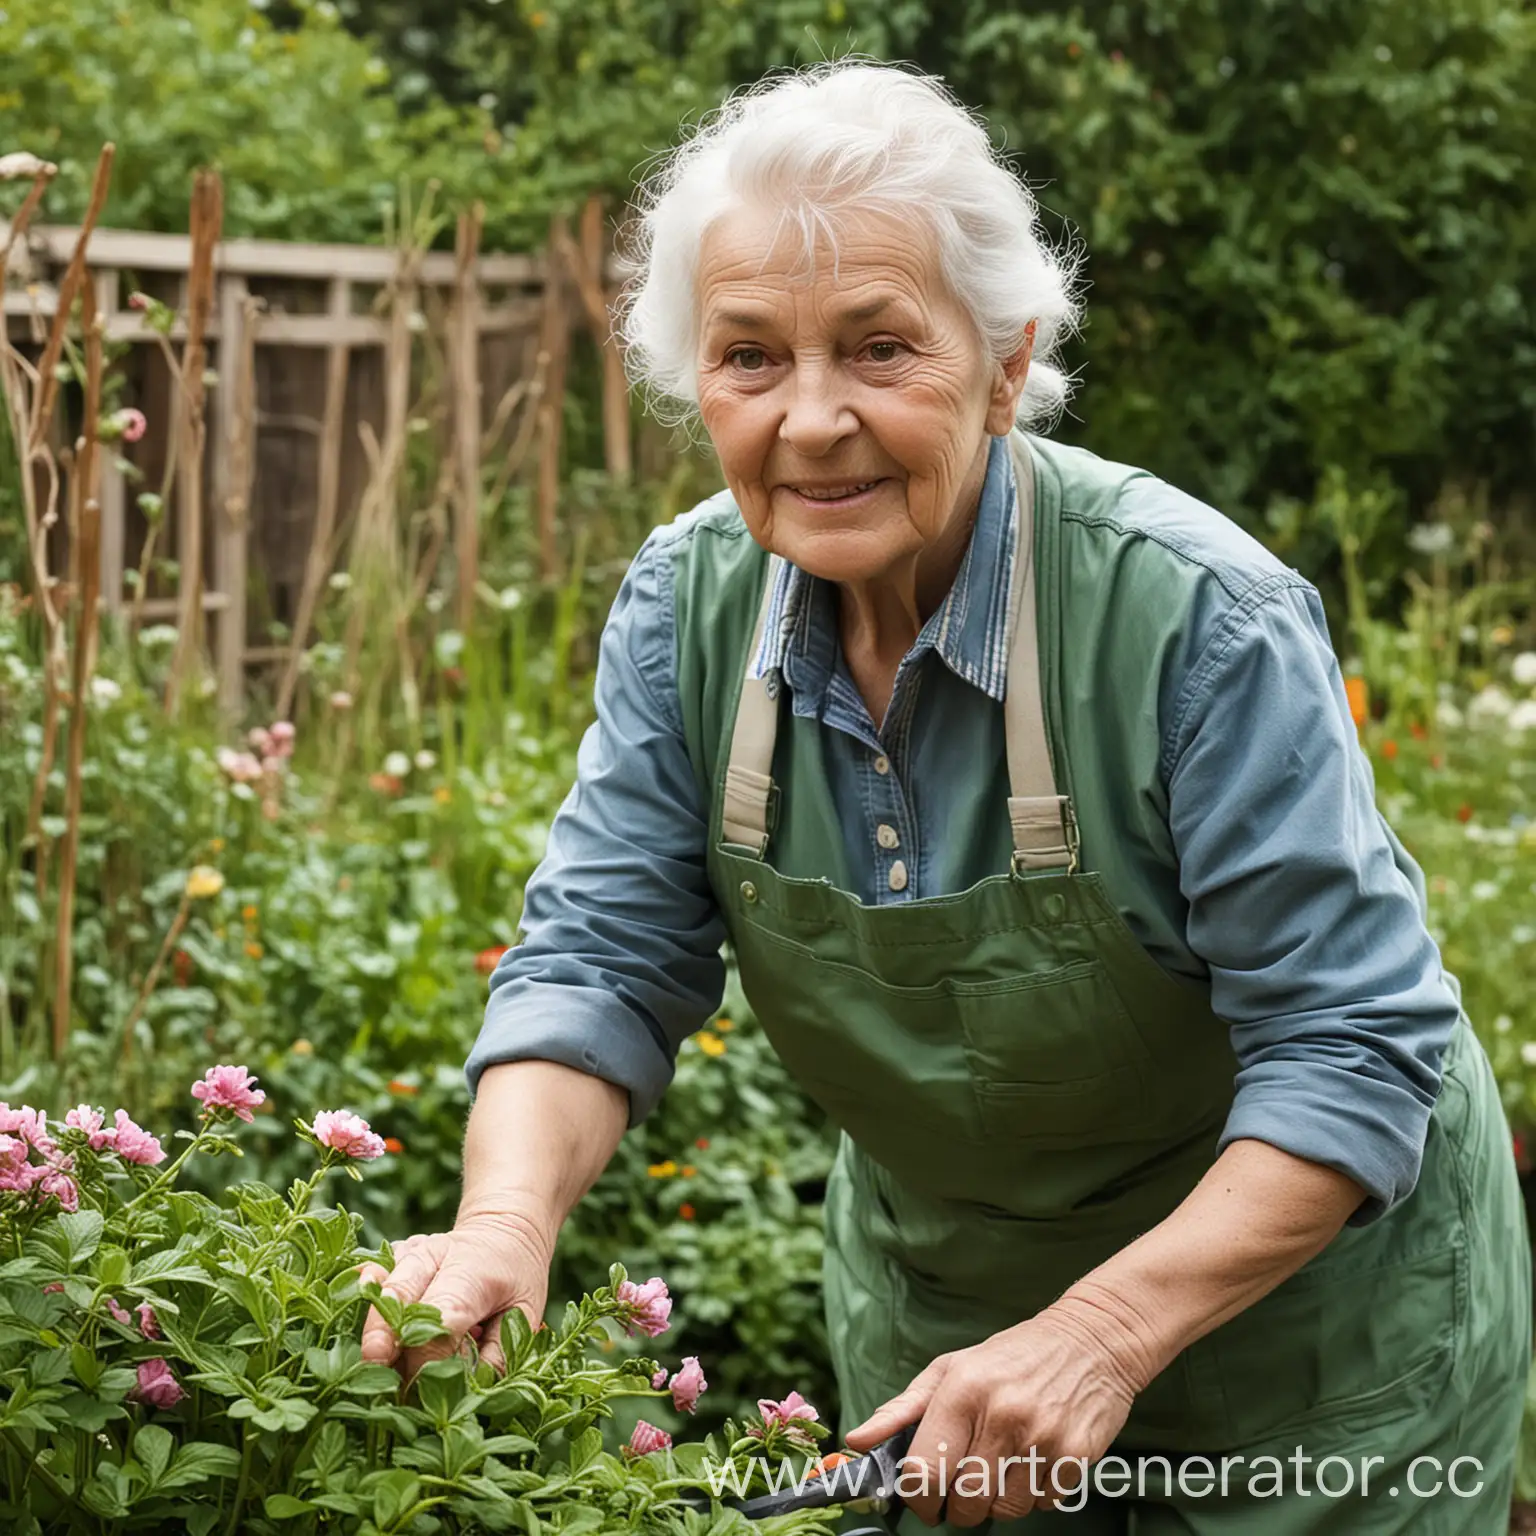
{"x": 1251, "y": 1222}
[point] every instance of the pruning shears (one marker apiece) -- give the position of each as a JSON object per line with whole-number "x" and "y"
{"x": 866, "y": 1483}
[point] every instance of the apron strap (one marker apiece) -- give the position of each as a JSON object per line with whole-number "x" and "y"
{"x": 748, "y": 781}
{"x": 1044, "y": 828}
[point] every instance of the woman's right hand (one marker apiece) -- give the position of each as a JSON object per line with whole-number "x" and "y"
{"x": 474, "y": 1275}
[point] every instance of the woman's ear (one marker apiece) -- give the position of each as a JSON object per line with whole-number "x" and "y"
{"x": 1008, "y": 385}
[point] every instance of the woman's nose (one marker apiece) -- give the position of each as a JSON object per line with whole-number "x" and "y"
{"x": 818, "y": 415}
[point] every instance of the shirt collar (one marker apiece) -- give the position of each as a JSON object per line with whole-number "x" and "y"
{"x": 968, "y": 630}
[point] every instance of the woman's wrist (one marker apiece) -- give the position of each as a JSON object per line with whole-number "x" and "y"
{"x": 1130, "y": 1346}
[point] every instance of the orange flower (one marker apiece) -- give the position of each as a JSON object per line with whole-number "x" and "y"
{"x": 249, "y": 912}
{"x": 686, "y": 1211}
{"x": 385, "y": 783}
{"x": 829, "y": 1461}
{"x": 1359, "y": 699}
{"x": 1464, "y": 812}
{"x": 1389, "y": 749}
{"x": 254, "y": 951}
{"x": 725, "y": 1026}
{"x": 1417, "y": 731}
{"x": 1437, "y": 762}
{"x": 702, "y": 1143}
{"x": 689, "y": 1170}
{"x": 403, "y": 1089}
{"x": 485, "y": 961}
{"x": 393, "y": 1144}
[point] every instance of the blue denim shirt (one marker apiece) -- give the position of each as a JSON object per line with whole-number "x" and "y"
{"x": 1315, "y": 948}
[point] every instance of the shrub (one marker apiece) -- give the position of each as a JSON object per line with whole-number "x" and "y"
{"x": 165, "y": 1357}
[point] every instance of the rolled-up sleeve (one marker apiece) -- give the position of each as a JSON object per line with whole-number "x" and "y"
{"x": 1313, "y": 930}
{"x": 618, "y": 958}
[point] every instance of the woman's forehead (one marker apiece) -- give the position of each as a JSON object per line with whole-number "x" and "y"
{"x": 753, "y": 260}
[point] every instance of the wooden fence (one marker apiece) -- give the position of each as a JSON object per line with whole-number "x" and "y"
{"x": 318, "y": 353}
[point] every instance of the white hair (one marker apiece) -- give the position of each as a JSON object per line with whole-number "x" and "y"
{"x": 819, "y": 143}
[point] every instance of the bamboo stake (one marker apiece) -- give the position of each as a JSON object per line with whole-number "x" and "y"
{"x": 555, "y": 344}
{"x": 465, "y": 334}
{"x": 586, "y": 266}
{"x": 206, "y": 225}
{"x": 88, "y": 526}
{"x": 327, "y": 496}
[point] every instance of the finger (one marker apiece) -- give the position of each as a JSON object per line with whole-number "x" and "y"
{"x": 380, "y": 1346}
{"x": 490, "y": 1345}
{"x": 413, "y": 1274}
{"x": 942, "y": 1440}
{"x": 905, "y": 1408}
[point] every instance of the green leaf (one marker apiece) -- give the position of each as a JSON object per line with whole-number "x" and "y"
{"x": 81, "y": 1231}
{"x": 585, "y": 1448}
{"x": 198, "y": 1462}
{"x": 283, "y": 1506}
{"x": 393, "y": 1494}
{"x": 152, "y": 1447}
{"x": 371, "y": 1379}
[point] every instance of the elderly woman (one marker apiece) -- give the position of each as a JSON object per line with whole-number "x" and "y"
{"x": 1024, "y": 790}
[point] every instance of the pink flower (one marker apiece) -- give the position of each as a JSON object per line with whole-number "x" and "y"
{"x": 646, "y": 1307}
{"x": 242, "y": 767}
{"x": 120, "y": 1313}
{"x": 647, "y": 1438}
{"x": 688, "y": 1385}
{"x": 134, "y": 424}
{"x": 83, "y": 1118}
{"x": 342, "y": 1131}
{"x": 139, "y": 301}
{"x": 31, "y": 1124}
{"x": 134, "y": 1145}
{"x": 260, "y": 741}
{"x": 793, "y": 1407}
{"x": 56, "y": 1285}
{"x": 282, "y": 734}
{"x": 55, "y": 1182}
{"x": 659, "y": 1380}
{"x": 149, "y": 1324}
{"x": 229, "y": 1088}
{"x": 15, "y": 1171}
{"x": 158, "y": 1386}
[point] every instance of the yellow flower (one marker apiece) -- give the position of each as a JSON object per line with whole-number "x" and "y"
{"x": 1502, "y": 635}
{"x": 253, "y": 951}
{"x": 662, "y": 1170}
{"x": 204, "y": 881}
{"x": 248, "y": 912}
{"x": 711, "y": 1045}
{"x": 725, "y": 1026}
{"x": 442, "y": 794}
{"x": 217, "y": 845}
{"x": 302, "y": 1048}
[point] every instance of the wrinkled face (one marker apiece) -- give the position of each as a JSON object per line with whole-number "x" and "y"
{"x": 849, "y": 400}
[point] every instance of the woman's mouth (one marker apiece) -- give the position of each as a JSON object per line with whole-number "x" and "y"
{"x": 839, "y": 495}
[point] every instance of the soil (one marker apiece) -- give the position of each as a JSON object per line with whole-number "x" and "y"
{"x": 1522, "y": 1520}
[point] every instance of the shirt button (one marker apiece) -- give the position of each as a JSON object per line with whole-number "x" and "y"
{"x": 882, "y": 765}
{"x": 885, "y": 835}
{"x": 898, "y": 876}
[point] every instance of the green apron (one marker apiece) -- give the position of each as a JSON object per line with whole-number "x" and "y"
{"x": 1022, "y": 1090}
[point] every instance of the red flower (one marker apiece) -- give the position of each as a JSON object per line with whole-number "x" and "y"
{"x": 1465, "y": 812}
{"x": 385, "y": 783}
{"x": 393, "y": 1144}
{"x": 702, "y": 1143}
{"x": 181, "y": 968}
{"x": 1389, "y": 749}
{"x": 485, "y": 961}
{"x": 403, "y": 1090}
{"x": 1522, "y": 1160}
{"x": 1417, "y": 731}
{"x": 686, "y": 1211}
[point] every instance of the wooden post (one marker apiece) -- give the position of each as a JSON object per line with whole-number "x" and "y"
{"x": 554, "y": 348}
{"x": 327, "y": 490}
{"x": 464, "y": 338}
{"x": 234, "y": 421}
{"x": 113, "y": 494}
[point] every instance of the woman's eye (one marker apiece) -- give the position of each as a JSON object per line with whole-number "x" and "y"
{"x": 884, "y": 351}
{"x": 749, "y": 359}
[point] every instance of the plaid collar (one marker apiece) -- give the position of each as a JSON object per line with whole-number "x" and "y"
{"x": 969, "y": 629}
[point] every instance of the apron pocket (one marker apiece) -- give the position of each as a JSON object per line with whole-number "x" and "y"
{"x": 1054, "y": 1055}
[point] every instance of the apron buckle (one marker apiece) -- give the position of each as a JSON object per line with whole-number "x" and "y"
{"x": 1026, "y": 859}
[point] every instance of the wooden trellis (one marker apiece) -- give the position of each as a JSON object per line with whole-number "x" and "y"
{"x": 496, "y": 321}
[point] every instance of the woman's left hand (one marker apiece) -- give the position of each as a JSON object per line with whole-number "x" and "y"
{"x": 1046, "y": 1391}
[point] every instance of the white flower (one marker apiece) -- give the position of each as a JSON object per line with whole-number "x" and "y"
{"x": 1431, "y": 538}
{"x": 1448, "y": 716}
{"x": 105, "y": 691}
{"x": 426, "y": 760}
{"x": 1469, "y": 634}
{"x": 339, "y": 582}
{"x": 1484, "y": 890}
{"x": 341, "y": 700}
{"x": 1528, "y": 1053}
{"x": 1523, "y": 669}
{"x": 509, "y": 598}
{"x": 1491, "y": 705}
{"x": 397, "y": 765}
{"x": 1522, "y": 717}
{"x": 157, "y": 637}
{"x": 1503, "y": 1024}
